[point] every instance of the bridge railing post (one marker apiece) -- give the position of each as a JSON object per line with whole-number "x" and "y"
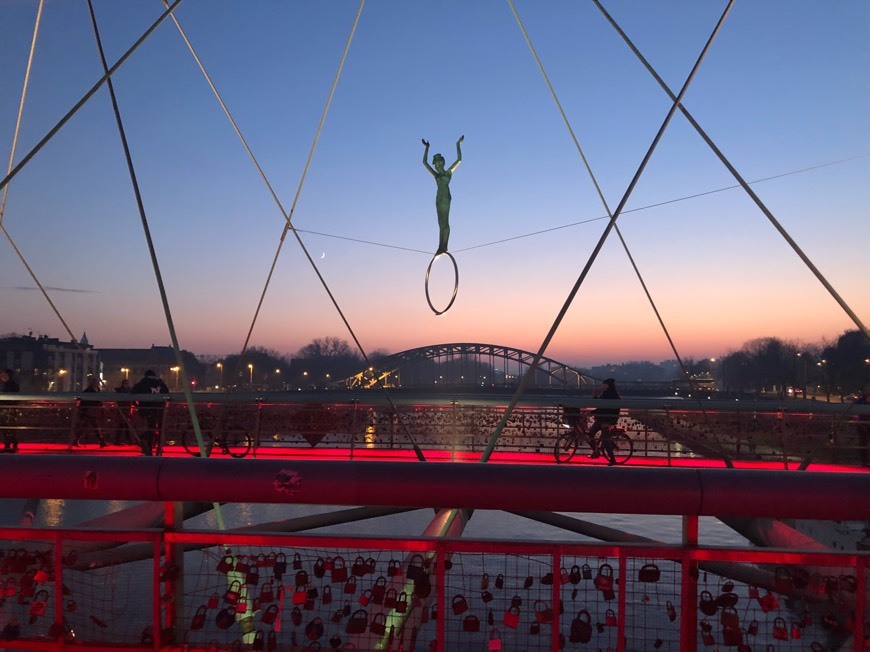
{"x": 689, "y": 587}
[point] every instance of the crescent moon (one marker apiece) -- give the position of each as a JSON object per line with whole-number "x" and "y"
{"x": 323, "y": 255}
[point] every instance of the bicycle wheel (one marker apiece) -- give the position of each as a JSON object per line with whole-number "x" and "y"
{"x": 566, "y": 446}
{"x": 189, "y": 443}
{"x": 620, "y": 444}
{"x": 238, "y": 444}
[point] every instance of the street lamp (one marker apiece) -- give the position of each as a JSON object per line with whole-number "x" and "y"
{"x": 804, "y": 358}
{"x": 251, "y": 370}
{"x": 176, "y": 369}
{"x": 126, "y": 373}
{"x": 220, "y": 366}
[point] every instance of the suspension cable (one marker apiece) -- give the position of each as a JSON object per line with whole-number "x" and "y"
{"x": 9, "y": 168}
{"x": 86, "y": 97}
{"x": 21, "y": 104}
{"x": 534, "y": 364}
{"x": 288, "y": 216}
{"x": 568, "y": 225}
{"x": 741, "y": 181}
{"x": 618, "y": 231}
{"x": 14, "y": 246}
{"x": 188, "y": 396}
{"x": 603, "y": 200}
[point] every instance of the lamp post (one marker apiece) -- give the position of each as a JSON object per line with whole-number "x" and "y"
{"x": 126, "y": 373}
{"x": 220, "y": 366}
{"x": 251, "y": 370}
{"x": 176, "y": 369}
{"x": 804, "y": 358}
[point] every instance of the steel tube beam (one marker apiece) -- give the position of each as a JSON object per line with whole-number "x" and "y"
{"x": 702, "y": 492}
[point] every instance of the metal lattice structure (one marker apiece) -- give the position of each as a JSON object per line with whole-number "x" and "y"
{"x": 470, "y": 364}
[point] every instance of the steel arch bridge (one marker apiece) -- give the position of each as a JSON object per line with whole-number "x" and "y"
{"x": 470, "y": 364}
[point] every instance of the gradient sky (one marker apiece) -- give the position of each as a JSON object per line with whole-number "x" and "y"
{"x": 783, "y": 89}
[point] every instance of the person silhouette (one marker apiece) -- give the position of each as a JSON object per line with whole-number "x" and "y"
{"x": 442, "y": 196}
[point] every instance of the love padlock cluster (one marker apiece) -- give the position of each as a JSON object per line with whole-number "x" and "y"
{"x": 269, "y": 592}
{"x": 793, "y": 583}
{"x": 517, "y": 609}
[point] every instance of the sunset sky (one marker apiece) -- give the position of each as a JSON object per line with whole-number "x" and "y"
{"x": 784, "y": 92}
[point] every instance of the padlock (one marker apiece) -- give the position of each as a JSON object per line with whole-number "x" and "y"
{"x": 379, "y": 624}
{"x": 511, "y": 617}
{"x": 358, "y": 622}
{"x": 270, "y": 614}
{"x": 415, "y": 568}
{"x": 280, "y": 566}
{"x": 267, "y": 593}
{"x": 604, "y": 579}
{"x": 233, "y": 593}
{"x": 198, "y": 620}
{"x": 37, "y": 607}
{"x": 543, "y": 612}
{"x": 471, "y": 623}
{"x": 389, "y": 600}
{"x": 379, "y": 588}
{"x": 320, "y": 568}
{"x": 339, "y": 570}
{"x": 780, "y": 632}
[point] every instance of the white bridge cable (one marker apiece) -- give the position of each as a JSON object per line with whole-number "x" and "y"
{"x": 288, "y": 216}
{"x": 78, "y": 105}
{"x": 26, "y": 83}
{"x": 612, "y": 223}
{"x": 589, "y": 220}
{"x": 631, "y": 260}
{"x": 8, "y": 237}
{"x": 176, "y": 349}
{"x": 740, "y": 180}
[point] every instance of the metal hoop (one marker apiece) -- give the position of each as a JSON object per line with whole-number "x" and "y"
{"x": 455, "y": 284}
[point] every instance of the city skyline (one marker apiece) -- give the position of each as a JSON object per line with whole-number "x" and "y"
{"x": 782, "y": 92}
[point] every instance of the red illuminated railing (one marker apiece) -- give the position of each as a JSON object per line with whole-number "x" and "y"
{"x": 267, "y": 591}
{"x": 183, "y": 586}
{"x": 786, "y": 434}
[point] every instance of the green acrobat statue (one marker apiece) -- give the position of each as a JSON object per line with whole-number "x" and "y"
{"x": 442, "y": 198}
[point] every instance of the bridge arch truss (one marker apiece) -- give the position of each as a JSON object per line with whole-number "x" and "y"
{"x": 466, "y": 364}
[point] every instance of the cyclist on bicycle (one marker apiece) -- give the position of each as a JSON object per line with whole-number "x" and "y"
{"x": 605, "y": 418}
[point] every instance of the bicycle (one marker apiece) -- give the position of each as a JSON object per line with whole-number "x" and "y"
{"x": 610, "y": 440}
{"x": 234, "y": 443}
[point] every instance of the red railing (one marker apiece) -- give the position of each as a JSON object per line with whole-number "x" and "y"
{"x": 267, "y": 591}
{"x": 664, "y": 431}
{"x": 175, "y": 587}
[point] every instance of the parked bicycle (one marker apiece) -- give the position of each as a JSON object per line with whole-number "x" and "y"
{"x": 233, "y": 443}
{"x": 611, "y": 442}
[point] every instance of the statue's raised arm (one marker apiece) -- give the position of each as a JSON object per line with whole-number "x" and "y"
{"x": 458, "y": 155}
{"x": 426, "y": 156}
